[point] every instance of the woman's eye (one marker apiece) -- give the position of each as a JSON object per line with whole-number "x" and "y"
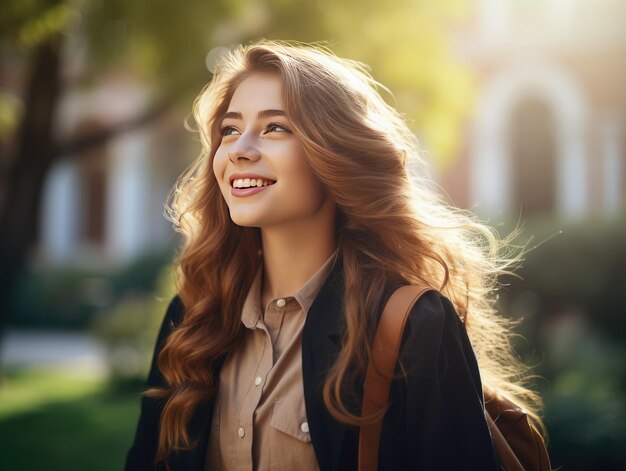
{"x": 274, "y": 126}
{"x": 226, "y": 130}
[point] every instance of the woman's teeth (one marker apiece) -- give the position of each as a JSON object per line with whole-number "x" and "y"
{"x": 251, "y": 182}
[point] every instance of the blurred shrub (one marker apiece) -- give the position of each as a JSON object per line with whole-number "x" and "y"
{"x": 572, "y": 299}
{"x": 585, "y": 434}
{"x": 69, "y": 297}
{"x": 584, "y": 266}
{"x": 129, "y": 329}
{"x": 585, "y": 408}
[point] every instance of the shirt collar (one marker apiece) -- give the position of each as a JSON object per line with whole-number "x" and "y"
{"x": 308, "y": 291}
{"x": 252, "y": 310}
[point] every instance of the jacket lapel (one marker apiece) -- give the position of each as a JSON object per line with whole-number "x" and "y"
{"x": 321, "y": 342}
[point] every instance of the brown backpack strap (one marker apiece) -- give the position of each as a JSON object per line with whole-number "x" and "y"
{"x": 527, "y": 442}
{"x": 380, "y": 369}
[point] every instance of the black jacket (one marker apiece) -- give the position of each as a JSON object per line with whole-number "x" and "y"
{"x": 435, "y": 419}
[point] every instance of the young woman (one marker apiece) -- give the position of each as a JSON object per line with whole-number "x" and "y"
{"x": 307, "y": 208}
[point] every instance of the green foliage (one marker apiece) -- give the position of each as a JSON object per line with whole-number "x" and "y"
{"x": 62, "y": 421}
{"x": 585, "y": 434}
{"x": 69, "y": 297}
{"x": 31, "y": 22}
{"x": 572, "y": 298}
{"x": 585, "y": 406}
{"x": 161, "y": 41}
{"x": 129, "y": 329}
{"x": 578, "y": 265}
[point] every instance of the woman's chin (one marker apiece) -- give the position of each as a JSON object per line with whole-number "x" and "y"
{"x": 246, "y": 220}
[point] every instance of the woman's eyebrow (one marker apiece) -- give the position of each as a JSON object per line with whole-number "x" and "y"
{"x": 261, "y": 114}
{"x": 270, "y": 113}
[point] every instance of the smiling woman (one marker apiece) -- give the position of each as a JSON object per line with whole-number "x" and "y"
{"x": 301, "y": 217}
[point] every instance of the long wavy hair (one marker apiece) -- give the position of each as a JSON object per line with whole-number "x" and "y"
{"x": 393, "y": 227}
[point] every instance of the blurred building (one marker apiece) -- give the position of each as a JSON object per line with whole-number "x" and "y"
{"x": 548, "y": 135}
{"x": 105, "y": 208}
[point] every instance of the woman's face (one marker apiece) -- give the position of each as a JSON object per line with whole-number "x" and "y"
{"x": 260, "y": 164}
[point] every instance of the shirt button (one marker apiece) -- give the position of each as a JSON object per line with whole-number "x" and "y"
{"x": 304, "y": 427}
{"x": 258, "y": 380}
{"x": 281, "y": 302}
{"x": 241, "y": 432}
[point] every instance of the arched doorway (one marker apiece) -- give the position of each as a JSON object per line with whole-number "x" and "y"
{"x": 532, "y": 137}
{"x": 494, "y": 177}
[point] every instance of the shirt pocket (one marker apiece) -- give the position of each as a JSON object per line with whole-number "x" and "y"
{"x": 290, "y": 419}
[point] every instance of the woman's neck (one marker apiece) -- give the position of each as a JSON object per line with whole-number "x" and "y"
{"x": 292, "y": 255}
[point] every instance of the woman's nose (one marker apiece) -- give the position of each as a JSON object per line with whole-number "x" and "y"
{"x": 243, "y": 148}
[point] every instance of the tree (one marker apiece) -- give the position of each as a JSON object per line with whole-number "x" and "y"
{"x": 145, "y": 37}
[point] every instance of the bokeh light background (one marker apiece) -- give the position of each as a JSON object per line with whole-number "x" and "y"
{"x": 520, "y": 106}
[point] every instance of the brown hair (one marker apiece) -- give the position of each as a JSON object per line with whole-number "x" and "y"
{"x": 393, "y": 227}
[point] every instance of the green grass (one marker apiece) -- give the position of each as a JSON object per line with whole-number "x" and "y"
{"x": 62, "y": 421}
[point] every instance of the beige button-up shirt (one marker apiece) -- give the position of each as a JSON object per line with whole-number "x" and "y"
{"x": 259, "y": 417}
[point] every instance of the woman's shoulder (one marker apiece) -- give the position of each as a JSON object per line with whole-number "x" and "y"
{"x": 432, "y": 323}
{"x": 433, "y": 310}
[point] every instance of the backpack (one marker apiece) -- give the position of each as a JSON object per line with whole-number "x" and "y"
{"x": 518, "y": 444}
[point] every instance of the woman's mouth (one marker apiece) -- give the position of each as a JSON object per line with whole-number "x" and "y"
{"x": 242, "y": 187}
{"x": 251, "y": 182}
